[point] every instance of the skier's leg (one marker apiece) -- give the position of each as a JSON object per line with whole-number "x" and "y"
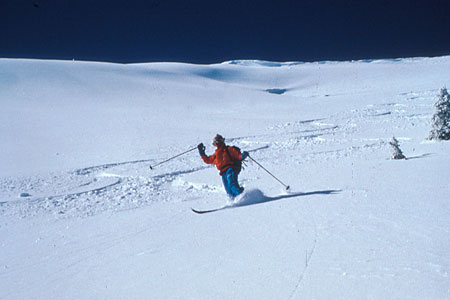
{"x": 234, "y": 187}
{"x": 236, "y": 183}
{"x": 226, "y": 184}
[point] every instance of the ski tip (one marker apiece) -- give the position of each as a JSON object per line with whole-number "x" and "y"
{"x": 199, "y": 211}
{"x": 206, "y": 211}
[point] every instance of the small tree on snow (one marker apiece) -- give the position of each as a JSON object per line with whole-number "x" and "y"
{"x": 441, "y": 118}
{"x": 395, "y": 149}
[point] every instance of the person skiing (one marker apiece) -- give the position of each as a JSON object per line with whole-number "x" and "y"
{"x": 228, "y": 161}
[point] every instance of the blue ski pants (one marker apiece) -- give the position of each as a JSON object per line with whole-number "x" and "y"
{"x": 230, "y": 182}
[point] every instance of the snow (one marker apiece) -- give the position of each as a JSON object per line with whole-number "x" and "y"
{"x": 82, "y": 216}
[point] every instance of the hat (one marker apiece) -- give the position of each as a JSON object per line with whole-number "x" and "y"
{"x": 218, "y": 139}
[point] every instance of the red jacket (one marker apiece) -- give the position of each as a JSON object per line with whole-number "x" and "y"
{"x": 222, "y": 158}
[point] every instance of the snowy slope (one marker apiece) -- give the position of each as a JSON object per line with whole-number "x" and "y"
{"x": 83, "y": 217}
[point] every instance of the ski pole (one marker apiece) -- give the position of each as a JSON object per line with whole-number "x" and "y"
{"x": 151, "y": 167}
{"x": 286, "y": 186}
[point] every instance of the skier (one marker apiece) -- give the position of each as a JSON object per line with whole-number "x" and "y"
{"x": 228, "y": 161}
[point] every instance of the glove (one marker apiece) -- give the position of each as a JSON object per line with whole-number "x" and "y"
{"x": 201, "y": 149}
{"x": 244, "y": 155}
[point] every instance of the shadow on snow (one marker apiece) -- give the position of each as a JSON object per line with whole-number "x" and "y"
{"x": 256, "y": 196}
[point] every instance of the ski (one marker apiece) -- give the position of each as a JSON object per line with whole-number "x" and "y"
{"x": 210, "y": 210}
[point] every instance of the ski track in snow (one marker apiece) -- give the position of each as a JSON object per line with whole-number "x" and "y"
{"x": 90, "y": 190}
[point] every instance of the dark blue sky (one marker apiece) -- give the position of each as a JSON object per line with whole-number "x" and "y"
{"x": 208, "y": 31}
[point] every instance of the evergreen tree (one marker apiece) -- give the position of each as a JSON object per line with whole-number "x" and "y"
{"x": 395, "y": 149}
{"x": 441, "y": 118}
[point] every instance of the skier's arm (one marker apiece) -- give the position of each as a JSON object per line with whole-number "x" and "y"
{"x": 209, "y": 159}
